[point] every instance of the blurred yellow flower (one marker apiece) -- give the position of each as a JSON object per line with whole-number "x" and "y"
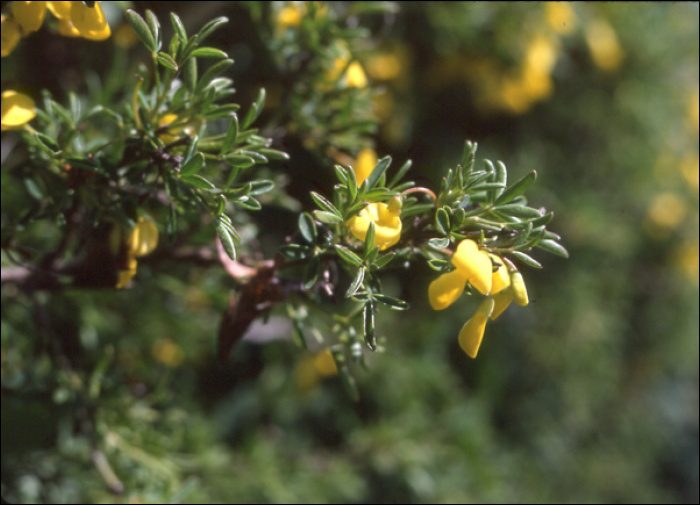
{"x": 665, "y": 213}
{"x": 384, "y": 67}
{"x": 311, "y": 369}
{"x": 167, "y": 352}
{"x": 473, "y": 330}
{"x": 175, "y": 132}
{"x": 693, "y": 106}
{"x": 140, "y": 241}
{"x": 125, "y": 36}
{"x": 91, "y": 23}
{"x": 17, "y": 109}
{"x": 560, "y": 16}
{"x": 689, "y": 169}
{"x": 10, "y": 34}
{"x": 605, "y": 49}
{"x": 687, "y": 258}
{"x": 353, "y": 77}
{"x": 289, "y": 16}
{"x": 386, "y": 219}
{"x": 29, "y": 15}
{"x": 364, "y": 164}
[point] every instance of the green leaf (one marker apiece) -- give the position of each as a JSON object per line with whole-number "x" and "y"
{"x": 553, "y": 247}
{"x": 342, "y": 174}
{"x": 378, "y": 171}
{"x": 486, "y": 186}
{"x": 179, "y": 28}
{"x": 399, "y": 175}
{"x": 226, "y": 240}
{"x": 238, "y": 160}
{"x": 349, "y": 256}
{"x": 518, "y": 211}
{"x": 174, "y": 45}
{"x": 347, "y": 379}
{"x": 189, "y": 74}
{"x": 468, "y": 156}
{"x": 231, "y": 135}
{"x": 369, "y": 239}
{"x": 198, "y": 181}
{"x": 442, "y": 221}
{"x": 439, "y": 243}
{"x": 154, "y": 27}
{"x": 46, "y": 141}
{"x": 261, "y": 187}
{"x": 193, "y": 166}
{"x": 214, "y": 71}
{"x": 83, "y": 164}
{"x": 34, "y": 188}
{"x": 307, "y": 227}
{"x": 141, "y": 29}
{"x": 167, "y": 61}
{"x": 391, "y": 302}
{"x": 356, "y": 283}
{"x": 327, "y": 217}
{"x": 368, "y": 325}
{"x": 517, "y": 189}
{"x": 208, "y": 52}
{"x": 209, "y": 28}
{"x": 437, "y": 265}
{"x": 325, "y": 205}
{"x": 249, "y": 203}
{"x": 296, "y": 251}
{"x": 255, "y": 109}
{"x": 384, "y": 260}
{"x": 311, "y": 272}
{"x": 191, "y": 148}
{"x": 274, "y": 154}
{"x": 529, "y": 261}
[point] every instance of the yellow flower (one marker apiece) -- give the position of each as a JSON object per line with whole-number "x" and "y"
{"x": 518, "y": 289}
{"x": 386, "y": 219}
{"x": 127, "y": 274}
{"x": 17, "y": 109}
{"x": 29, "y": 15}
{"x": 354, "y": 76}
{"x": 289, "y": 16}
{"x": 604, "y": 46}
{"x": 501, "y": 301}
{"x": 91, "y": 23}
{"x": 364, "y": 164}
{"x": 175, "y": 132}
{"x": 445, "y": 290}
{"x": 473, "y": 330}
{"x": 140, "y": 241}
{"x": 311, "y": 369}
{"x": 167, "y": 352}
{"x": 560, "y": 16}
{"x": 474, "y": 264}
{"x": 10, "y": 34}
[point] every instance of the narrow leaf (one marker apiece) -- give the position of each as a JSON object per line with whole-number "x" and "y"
{"x": 348, "y": 255}
{"x": 141, "y": 29}
{"x": 553, "y": 247}
{"x": 527, "y": 259}
{"x": 517, "y": 189}
{"x": 356, "y": 283}
{"x": 193, "y": 166}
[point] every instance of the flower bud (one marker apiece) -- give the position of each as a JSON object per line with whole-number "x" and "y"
{"x": 519, "y": 290}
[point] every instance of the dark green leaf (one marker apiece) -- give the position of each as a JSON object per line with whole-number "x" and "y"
{"x": 249, "y": 203}
{"x": 189, "y": 74}
{"x": 325, "y": 205}
{"x": 307, "y": 227}
{"x": 391, "y": 302}
{"x": 261, "y": 187}
{"x": 437, "y": 265}
{"x": 231, "y": 135}
{"x": 553, "y": 247}
{"x": 368, "y": 325}
{"x": 527, "y": 259}
{"x": 348, "y": 255}
{"x": 399, "y": 175}
{"x": 214, "y": 71}
{"x": 384, "y": 260}
{"x": 439, "y": 243}
{"x": 83, "y": 164}
{"x": 198, "y": 181}
{"x": 226, "y": 240}
{"x": 34, "y": 188}
{"x": 238, "y": 160}
{"x": 519, "y": 211}
{"x": 209, "y": 28}
{"x": 154, "y": 27}
{"x": 442, "y": 221}
{"x": 167, "y": 61}
{"x": 274, "y": 154}
{"x": 193, "y": 166}
{"x": 255, "y": 109}
{"x": 141, "y": 29}
{"x": 369, "y": 239}
{"x": 47, "y": 142}
{"x": 296, "y": 251}
{"x": 378, "y": 171}
{"x": 327, "y": 217}
{"x": 517, "y": 189}
{"x": 174, "y": 45}
{"x": 208, "y": 52}
{"x": 311, "y": 272}
{"x": 179, "y": 28}
{"x": 356, "y": 283}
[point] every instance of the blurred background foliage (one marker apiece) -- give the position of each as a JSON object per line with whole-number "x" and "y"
{"x": 590, "y": 394}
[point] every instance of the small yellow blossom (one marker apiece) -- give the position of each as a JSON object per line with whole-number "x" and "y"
{"x": 30, "y": 15}
{"x": 475, "y": 264}
{"x": 175, "y": 132}
{"x": 386, "y": 219}
{"x": 125, "y": 36}
{"x": 289, "y": 16}
{"x": 473, "y": 330}
{"x": 560, "y": 16}
{"x": 91, "y": 23}
{"x": 364, "y": 164}
{"x": 140, "y": 241}
{"x": 604, "y": 46}
{"x": 10, "y": 34}
{"x": 167, "y": 352}
{"x": 445, "y": 290}
{"x": 311, "y": 369}
{"x": 517, "y": 287}
{"x": 17, "y": 109}
{"x": 353, "y": 77}
{"x": 666, "y": 212}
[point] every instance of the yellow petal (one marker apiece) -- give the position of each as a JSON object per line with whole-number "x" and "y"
{"x": 519, "y": 290}
{"x": 365, "y": 163}
{"x": 501, "y": 301}
{"x": 475, "y": 264}
{"x": 500, "y": 279}
{"x": 60, "y": 9}
{"x": 91, "y": 23}
{"x": 289, "y": 16}
{"x": 387, "y": 224}
{"x": 144, "y": 238}
{"x": 10, "y": 34}
{"x": 66, "y": 28}
{"x": 325, "y": 364}
{"x": 125, "y": 276}
{"x": 356, "y": 75}
{"x": 445, "y": 290}
{"x": 29, "y": 15}
{"x": 17, "y": 109}
{"x": 604, "y": 46}
{"x": 473, "y": 330}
